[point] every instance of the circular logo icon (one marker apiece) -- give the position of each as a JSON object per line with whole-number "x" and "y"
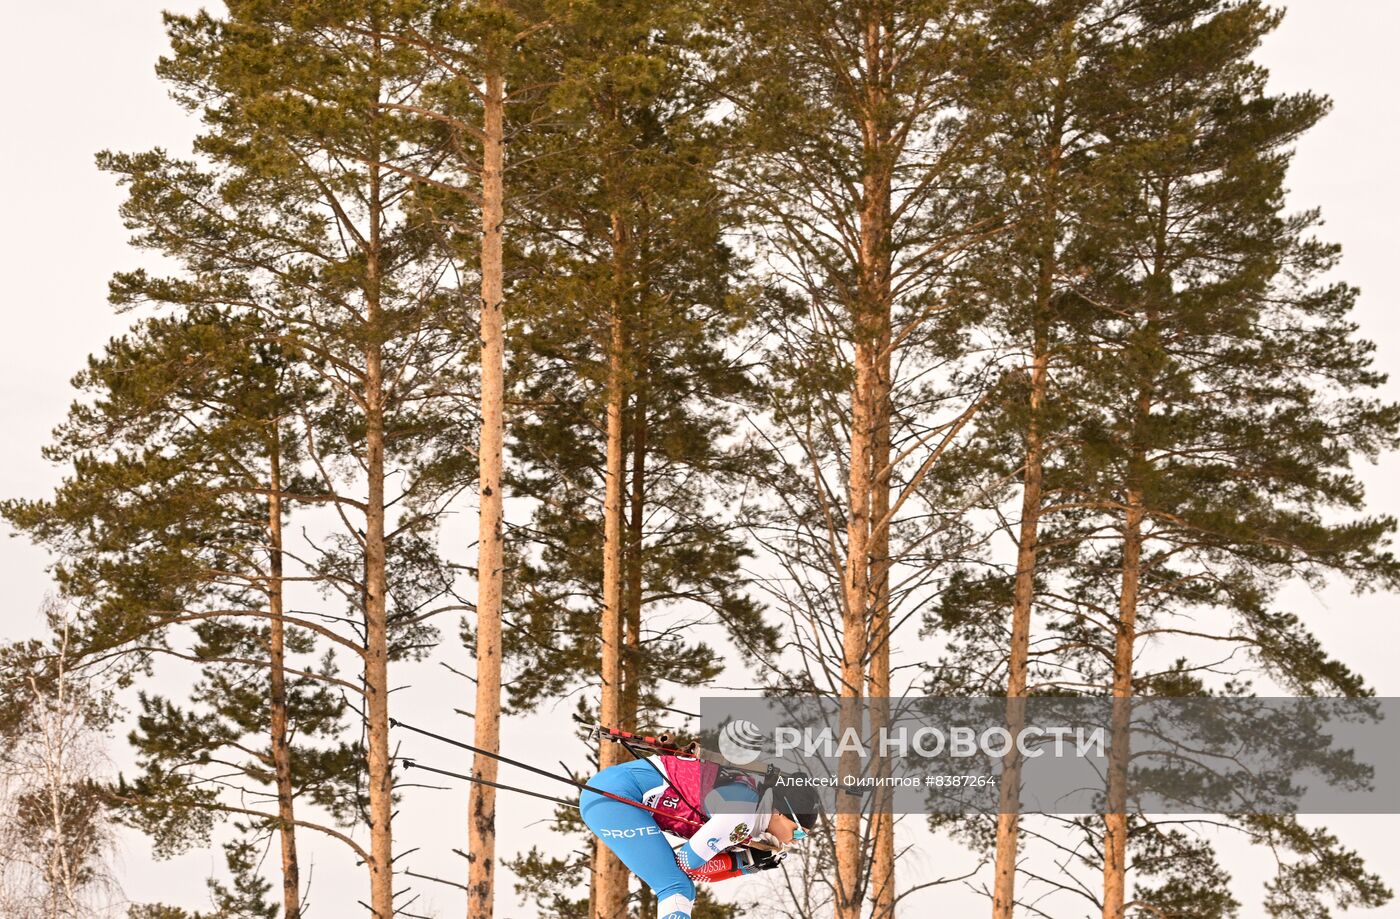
{"x": 741, "y": 742}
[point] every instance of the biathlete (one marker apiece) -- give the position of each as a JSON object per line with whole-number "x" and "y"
{"x": 719, "y": 816}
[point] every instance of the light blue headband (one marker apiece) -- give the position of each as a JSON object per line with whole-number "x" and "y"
{"x": 799, "y": 833}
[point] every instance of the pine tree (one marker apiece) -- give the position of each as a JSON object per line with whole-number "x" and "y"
{"x": 1211, "y": 427}
{"x": 1231, "y": 257}
{"x": 474, "y": 55}
{"x": 295, "y": 98}
{"x": 172, "y": 521}
{"x": 491, "y": 541}
{"x": 1047, "y": 177}
{"x": 625, "y": 314}
{"x": 1046, "y": 56}
{"x": 300, "y": 207}
{"x": 1236, "y": 383}
{"x": 246, "y": 899}
{"x": 859, "y": 130}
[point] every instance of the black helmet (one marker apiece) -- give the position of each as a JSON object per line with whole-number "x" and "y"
{"x": 799, "y": 802}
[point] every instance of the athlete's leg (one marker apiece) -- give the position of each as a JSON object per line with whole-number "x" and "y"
{"x": 634, "y": 837}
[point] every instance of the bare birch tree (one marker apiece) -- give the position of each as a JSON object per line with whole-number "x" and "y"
{"x": 55, "y": 833}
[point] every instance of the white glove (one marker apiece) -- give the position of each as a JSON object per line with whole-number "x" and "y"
{"x": 765, "y": 840}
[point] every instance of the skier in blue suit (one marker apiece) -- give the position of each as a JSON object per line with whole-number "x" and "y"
{"x": 730, "y": 825}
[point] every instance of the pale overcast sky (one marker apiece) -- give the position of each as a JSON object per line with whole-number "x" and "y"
{"x": 78, "y": 77}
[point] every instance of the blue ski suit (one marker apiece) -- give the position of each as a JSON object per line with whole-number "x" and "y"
{"x": 733, "y": 812}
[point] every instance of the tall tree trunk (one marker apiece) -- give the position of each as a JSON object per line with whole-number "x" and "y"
{"x": 610, "y": 888}
{"x": 379, "y": 765}
{"x": 870, "y": 315}
{"x": 882, "y": 875}
{"x": 481, "y": 829}
{"x": 64, "y": 856}
{"x": 380, "y": 777}
{"x": 277, "y": 661}
{"x": 632, "y": 643}
{"x": 1023, "y": 598}
{"x": 1115, "y": 844}
{"x": 637, "y": 433}
{"x": 855, "y": 638}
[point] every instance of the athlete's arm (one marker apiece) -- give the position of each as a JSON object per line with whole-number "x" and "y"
{"x": 734, "y": 863}
{"x": 731, "y": 824}
{"x": 721, "y": 832}
{"x": 722, "y": 867}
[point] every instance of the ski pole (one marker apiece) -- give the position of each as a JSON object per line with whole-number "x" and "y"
{"x": 547, "y": 774}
